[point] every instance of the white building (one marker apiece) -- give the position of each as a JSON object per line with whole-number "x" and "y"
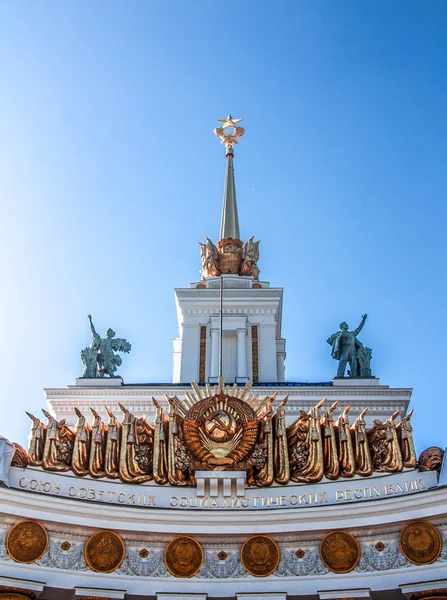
{"x": 230, "y": 325}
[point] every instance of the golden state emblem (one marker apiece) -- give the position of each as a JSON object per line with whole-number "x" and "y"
{"x": 221, "y": 430}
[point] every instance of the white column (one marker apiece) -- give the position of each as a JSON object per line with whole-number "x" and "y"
{"x": 214, "y": 352}
{"x": 241, "y": 353}
{"x": 280, "y": 356}
{"x": 190, "y": 352}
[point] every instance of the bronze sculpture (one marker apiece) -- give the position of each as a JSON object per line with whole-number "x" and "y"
{"x": 223, "y": 429}
{"x": 99, "y": 358}
{"x": 347, "y": 349}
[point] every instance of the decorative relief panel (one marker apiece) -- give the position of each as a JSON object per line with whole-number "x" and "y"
{"x": 420, "y": 542}
{"x": 26, "y": 541}
{"x": 340, "y": 551}
{"x": 183, "y": 557}
{"x": 378, "y": 554}
{"x": 260, "y": 555}
{"x": 104, "y": 551}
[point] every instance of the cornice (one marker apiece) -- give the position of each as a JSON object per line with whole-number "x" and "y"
{"x": 229, "y": 292}
{"x": 230, "y": 311}
{"x": 293, "y": 392}
{"x": 366, "y": 515}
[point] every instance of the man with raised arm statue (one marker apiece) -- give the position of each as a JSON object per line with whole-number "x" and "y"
{"x": 344, "y": 348}
{"x": 99, "y": 358}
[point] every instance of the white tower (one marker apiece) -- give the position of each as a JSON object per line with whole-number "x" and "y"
{"x": 230, "y": 322}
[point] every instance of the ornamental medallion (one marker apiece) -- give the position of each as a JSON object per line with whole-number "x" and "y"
{"x": 183, "y": 557}
{"x": 260, "y": 556}
{"x": 220, "y": 431}
{"x": 420, "y": 542}
{"x": 27, "y": 541}
{"x": 340, "y": 551}
{"x": 104, "y": 551}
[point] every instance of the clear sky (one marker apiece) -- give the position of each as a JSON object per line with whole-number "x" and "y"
{"x": 110, "y": 174}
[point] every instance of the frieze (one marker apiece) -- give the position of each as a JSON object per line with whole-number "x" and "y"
{"x": 289, "y": 497}
{"x": 295, "y": 392}
{"x": 227, "y": 565}
{"x": 204, "y": 312}
{"x": 268, "y": 293}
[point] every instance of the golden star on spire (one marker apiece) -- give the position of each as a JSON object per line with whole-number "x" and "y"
{"x": 229, "y": 121}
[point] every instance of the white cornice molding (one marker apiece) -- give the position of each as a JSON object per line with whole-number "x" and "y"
{"x": 389, "y": 513}
{"x": 293, "y": 391}
{"x": 229, "y": 292}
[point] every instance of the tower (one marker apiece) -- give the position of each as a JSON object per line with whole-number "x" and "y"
{"x": 229, "y": 322}
{"x": 287, "y": 490}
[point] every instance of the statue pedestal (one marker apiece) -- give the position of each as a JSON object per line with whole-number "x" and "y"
{"x": 355, "y": 381}
{"x": 98, "y": 382}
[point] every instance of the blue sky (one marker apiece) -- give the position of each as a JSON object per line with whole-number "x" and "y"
{"x": 110, "y": 175}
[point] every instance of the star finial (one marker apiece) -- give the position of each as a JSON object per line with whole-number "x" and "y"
{"x": 229, "y": 132}
{"x": 229, "y": 121}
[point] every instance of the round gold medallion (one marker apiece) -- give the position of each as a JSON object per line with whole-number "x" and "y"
{"x": 27, "y": 541}
{"x": 104, "y": 551}
{"x": 260, "y": 555}
{"x": 340, "y": 551}
{"x": 183, "y": 556}
{"x": 420, "y": 542}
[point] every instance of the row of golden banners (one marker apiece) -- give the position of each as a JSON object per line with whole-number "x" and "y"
{"x": 104, "y": 551}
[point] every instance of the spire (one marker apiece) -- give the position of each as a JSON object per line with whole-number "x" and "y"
{"x": 229, "y": 134}
{"x": 229, "y": 226}
{"x": 229, "y": 255}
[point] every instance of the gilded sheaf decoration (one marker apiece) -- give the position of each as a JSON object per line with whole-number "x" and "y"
{"x": 27, "y": 541}
{"x": 224, "y": 428}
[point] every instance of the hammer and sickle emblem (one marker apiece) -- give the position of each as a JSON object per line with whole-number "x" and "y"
{"x": 220, "y": 425}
